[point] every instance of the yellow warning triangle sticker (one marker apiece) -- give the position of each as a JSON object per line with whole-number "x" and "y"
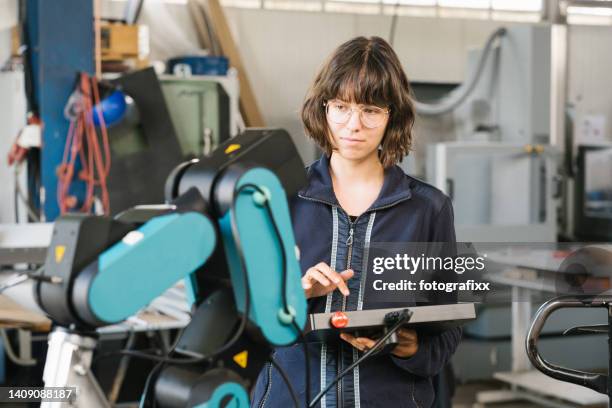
{"x": 241, "y": 358}
{"x": 60, "y": 250}
{"x": 232, "y": 148}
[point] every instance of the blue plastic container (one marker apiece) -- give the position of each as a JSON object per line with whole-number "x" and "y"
{"x": 198, "y": 65}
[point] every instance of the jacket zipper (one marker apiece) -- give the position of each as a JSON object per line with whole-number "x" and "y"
{"x": 268, "y": 387}
{"x": 413, "y": 397}
{"x": 349, "y": 244}
{"x": 363, "y": 275}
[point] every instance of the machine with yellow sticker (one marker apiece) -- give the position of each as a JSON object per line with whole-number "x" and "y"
{"x": 231, "y": 148}
{"x": 226, "y": 230}
{"x": 242, "y": 358}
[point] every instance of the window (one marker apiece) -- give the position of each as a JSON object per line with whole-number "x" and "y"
{"x": 515, "y": 10}
{"x": 589, "y": 12}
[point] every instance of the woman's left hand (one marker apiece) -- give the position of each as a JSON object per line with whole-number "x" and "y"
{"x": 408, "y": 343}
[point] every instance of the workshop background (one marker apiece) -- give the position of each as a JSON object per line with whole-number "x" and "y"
{"x": 521, "y": 141}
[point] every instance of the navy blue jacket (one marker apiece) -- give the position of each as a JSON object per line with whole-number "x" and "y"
{"x": 407, "y": 210}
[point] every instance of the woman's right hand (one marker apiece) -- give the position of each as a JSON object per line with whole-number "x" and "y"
{"x": 320, "y": 279}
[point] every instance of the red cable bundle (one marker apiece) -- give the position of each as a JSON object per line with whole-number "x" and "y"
{"x": 82, "y": 141}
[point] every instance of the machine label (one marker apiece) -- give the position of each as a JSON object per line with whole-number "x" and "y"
{"x": 241, "y": 358}
{"x": 232, "y": 148}
{"x": 60, "y": 250}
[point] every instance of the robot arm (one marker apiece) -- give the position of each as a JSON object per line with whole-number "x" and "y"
{"x": 125, "y": 277}
{"x": 229, "y": 222}
{"x": 248, "y": 181}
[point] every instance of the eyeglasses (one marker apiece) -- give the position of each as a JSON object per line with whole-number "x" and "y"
{"x": 340, "y": 113}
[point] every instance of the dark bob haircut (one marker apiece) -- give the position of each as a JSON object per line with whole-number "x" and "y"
{"x": 364, "y": 71}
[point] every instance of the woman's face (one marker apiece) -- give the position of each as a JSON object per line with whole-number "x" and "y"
{"x": 356, "y": 130}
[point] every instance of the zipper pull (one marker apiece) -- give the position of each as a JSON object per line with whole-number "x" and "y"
{"x": 349, "y": 240}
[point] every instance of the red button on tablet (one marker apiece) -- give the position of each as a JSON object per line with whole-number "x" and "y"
{"x": 339, "y": 320}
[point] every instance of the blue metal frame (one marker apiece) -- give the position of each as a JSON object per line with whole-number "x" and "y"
{"x": 62, "y": 45}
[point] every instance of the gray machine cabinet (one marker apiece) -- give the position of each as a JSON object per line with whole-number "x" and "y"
{"x": 200, "y": 113}
{"x": 501, "y": 192}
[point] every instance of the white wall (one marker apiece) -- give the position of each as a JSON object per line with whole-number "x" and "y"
{"x": 13, "y": 118}
{"x": 8, "y": 14}
{"x": 283, "y": 58}
{"x": 282, "y": 51}
{"x": 5, "y": 45}
{"x": 8, "y": 19}
{"x": 12, "y": 112}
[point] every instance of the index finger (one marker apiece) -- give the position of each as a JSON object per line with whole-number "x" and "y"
{"x": 334, "y": 277}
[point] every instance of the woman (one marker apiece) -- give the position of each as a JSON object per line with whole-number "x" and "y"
{"x": 359, "y": 111}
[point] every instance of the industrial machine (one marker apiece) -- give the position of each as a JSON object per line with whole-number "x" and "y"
{"x": 501, "y": 164}
{"x": 173, "y": 119}
{"x": 593, "y": 195}
{"x": 501, "y": 192}
{"x": 204, "y": 110}
{"x": 226, "y": 230}
{"x": 500, "y": 168}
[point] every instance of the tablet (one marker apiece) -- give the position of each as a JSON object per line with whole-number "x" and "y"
{"x": 432, "y": 319}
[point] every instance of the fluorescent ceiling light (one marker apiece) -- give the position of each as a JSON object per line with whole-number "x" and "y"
{"x": 248, "y": 4}
{"x": 517, "y": 5}
{"x": 304, "y": 5}
{"x": 590, "y": 11}
{"x": 475, "y": 4}
{"x": 411, "y": 2}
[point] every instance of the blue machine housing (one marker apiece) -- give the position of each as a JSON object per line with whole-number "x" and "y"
{"x": 262, "y": 256}
{"x": 199, "y": 65}
{"x": 237, "y": 394}
{"x": 121, "y": 286}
